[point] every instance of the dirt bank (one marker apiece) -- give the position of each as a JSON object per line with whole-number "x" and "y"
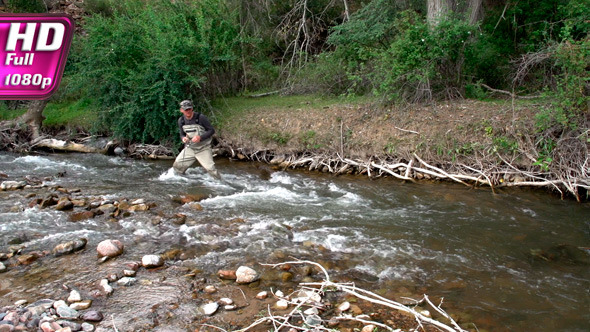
{"x": 478, "y": 143}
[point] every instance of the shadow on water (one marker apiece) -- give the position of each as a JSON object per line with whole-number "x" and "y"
{"x": 507, "y": 261}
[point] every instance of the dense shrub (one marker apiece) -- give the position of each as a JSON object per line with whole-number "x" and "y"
{"x": 141, "y": 60}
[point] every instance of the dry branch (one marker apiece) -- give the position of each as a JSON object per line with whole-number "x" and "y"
{"x": 327, "y": 285}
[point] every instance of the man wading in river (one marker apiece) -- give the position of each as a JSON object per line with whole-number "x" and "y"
{"x": 195, "y": 132}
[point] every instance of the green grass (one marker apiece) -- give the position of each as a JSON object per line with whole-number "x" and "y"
{"x": 6, "y": 114}
{"x": 77, "y": 114}
{"x": 73, "y": 114}
{"x": 234, "y": 106}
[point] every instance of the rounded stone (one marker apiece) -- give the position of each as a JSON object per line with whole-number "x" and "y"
{"x": 246, "y": 275}
{"x": 92, "y": 316}
{"x": 151, "y": 261}
{"x": 110, "y": 248}
{"x": 67, "y": 312}
{"x": 210, "y": 308}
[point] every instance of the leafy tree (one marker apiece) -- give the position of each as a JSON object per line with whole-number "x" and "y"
{"x": 139, "y": 62}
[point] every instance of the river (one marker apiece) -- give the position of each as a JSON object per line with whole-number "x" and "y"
{"x": 470, "y": 246}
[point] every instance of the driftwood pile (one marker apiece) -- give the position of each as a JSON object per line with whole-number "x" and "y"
{"x": 574, "y": 182}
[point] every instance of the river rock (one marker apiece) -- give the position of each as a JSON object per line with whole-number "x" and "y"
{"x": 67, "y": 312}
{"x": 82, "y": 305}
{"x": 38, "y": 307}
{"x": 126, "y": 281}
{"x": 246, "y": 275}
{"x": 104, "y": 285}
{"x": 59, "y": 303}
{"x": 344, "y": 306}
{"x": 368, "y": 328}
{"x": 47, "y": 327}
{"x": 63, "y": 204}
{"x": 262, "y": 295}
{"x": 2, "y": 267}
{"x": 110, "y": 248}
{"x": 226, "y": 301}
{"x": 210, "y": 308}
{"x": 150, "y": 261}
{"x": 129, "y": 273}
{"x": 107, "y": 208}
{"x": 313, "y": 320}
{"x": 74, "y": 296}
{"x": 210, "y": 289}
{"x": 79, "y": 216}
{"x": 29, "y": 258}
{"x": 92, "y": 316}
{"x": 69, "y": 247}
{"x": 6, "y": 327}
{"x": 73, "y": 326}
{"x": 86, "y": 327}
{"x": 227, "y": 274}
{"x": 311, "y": 311}
{"x": 230, "y": 307}
{"x": 138, "y": 207}
{"x": 12, "y": 185}
{"x": 282, "y": 304}
{"x": 48, "y": 201}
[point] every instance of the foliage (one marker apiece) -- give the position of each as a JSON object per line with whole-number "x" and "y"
{"x": 424, "y": 63}
{"x": 140, "y": 62}
{"x": 26, "y": 6}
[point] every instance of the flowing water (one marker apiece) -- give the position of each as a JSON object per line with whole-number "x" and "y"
{"x": 472, "y": 247}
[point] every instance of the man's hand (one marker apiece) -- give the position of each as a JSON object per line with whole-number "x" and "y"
{"x": 196, "y": 139}
{"x": 184, "y": 139}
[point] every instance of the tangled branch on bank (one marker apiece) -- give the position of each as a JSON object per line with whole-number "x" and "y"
{"x": 310, "y": 294}
{"x": 569, "y": 176}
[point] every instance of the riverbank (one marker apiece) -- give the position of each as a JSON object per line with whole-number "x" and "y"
{"x": 494, "y": 144}
{"x": 490, "y": 144}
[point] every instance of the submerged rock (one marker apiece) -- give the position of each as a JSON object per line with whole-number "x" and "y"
{"x": 79, "y": 216}
{"x": 227, "y": 274}
{"x": 210, "y": 308}
{"x": 69, "y": 247}
{"x": 63, "y": 204}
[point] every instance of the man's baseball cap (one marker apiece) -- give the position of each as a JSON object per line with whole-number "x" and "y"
{"x": 186, "y": 104}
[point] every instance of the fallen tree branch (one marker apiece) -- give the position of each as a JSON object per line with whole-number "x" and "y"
{"x": 351, "y": 289}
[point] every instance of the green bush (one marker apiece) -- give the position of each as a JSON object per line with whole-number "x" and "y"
{"x": 26, "y": 6}
{"x": 138, "y": 63}
{"x": 424, "y": 63}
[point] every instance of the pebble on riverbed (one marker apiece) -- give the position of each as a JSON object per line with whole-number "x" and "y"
{"x": 42, "y": 314}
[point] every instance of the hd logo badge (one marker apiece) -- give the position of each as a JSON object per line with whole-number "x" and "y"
{"x": 33, "y": 53}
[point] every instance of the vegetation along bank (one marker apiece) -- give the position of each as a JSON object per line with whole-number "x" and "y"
{"x": 485, "y": 93}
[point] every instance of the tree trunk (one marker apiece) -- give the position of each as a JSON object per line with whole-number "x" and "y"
{"x": 34, "y": 117}
{"x": 475, "y": 11}
{"x": 438, "y": 9}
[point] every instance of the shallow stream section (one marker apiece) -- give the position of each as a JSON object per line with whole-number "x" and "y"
{"x": 501, "y": 259}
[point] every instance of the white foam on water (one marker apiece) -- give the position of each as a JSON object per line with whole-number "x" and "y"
{"x": 280, "y": 177}
{"x": 276, "y": 194}
{"x": 45, "y": 163}
{"x": 172, "y": 177}
{"x": 334, "y": 188}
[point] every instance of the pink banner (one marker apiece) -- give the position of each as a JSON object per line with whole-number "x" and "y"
{"x": 34, "y": 49}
